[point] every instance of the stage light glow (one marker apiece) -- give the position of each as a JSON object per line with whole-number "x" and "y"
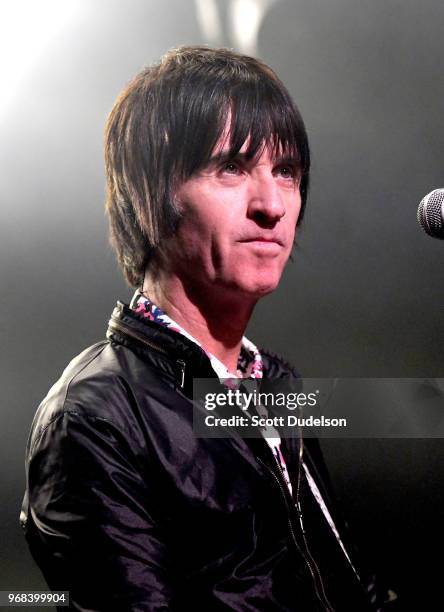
{"x": 209, "y": 21}
{"x": 27, "y": 28}
{"x": 246, "y": 17}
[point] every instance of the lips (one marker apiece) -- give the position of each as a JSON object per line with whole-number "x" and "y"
{"x": 263, "y": 239}
{"x": 263, "y": 246}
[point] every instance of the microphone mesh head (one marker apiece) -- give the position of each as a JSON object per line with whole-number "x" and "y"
{"x": 430, "y": 213}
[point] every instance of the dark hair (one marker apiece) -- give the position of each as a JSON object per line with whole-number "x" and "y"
{"x": 164, "y": 127}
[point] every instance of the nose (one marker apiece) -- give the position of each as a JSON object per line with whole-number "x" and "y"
{"x": 266, "y": 204}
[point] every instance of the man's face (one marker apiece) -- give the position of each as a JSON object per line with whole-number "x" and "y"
{"x": 238, "y": 225}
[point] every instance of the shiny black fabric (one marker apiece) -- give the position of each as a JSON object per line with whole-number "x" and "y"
{"x": 129, "y": 511}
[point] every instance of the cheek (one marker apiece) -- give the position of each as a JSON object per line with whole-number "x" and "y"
{"x": 290, "y": 228}
{"x": 193, "y": 241}
{"x": 210, "y": 226}
{"x": 295, "y": 208}
{"x": 292, "y": 218}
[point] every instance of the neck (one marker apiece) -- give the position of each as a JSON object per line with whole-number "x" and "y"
{"x": 215, "y": 318}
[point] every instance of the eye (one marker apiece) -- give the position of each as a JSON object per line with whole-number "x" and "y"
{"x": 289, "y": 173}
{"x": 231, "y": 167}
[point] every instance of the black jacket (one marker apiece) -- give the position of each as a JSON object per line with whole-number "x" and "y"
{"x": 129, "y": 511}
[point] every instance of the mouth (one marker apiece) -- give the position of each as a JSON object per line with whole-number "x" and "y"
{"x": 263, "y": 240}
{"x": 264, "y": 244}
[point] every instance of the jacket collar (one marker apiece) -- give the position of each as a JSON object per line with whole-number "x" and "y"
{"x": 154, "y": 342}
{"x": 186, "y": 359}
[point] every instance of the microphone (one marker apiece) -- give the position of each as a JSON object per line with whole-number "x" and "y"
{"x": 431, "y": 213}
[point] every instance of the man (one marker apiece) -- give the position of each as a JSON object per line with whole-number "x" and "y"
{"x": 207, "y": 165}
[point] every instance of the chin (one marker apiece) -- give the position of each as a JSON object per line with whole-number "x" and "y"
{"x": 262, "y": 285}
{"x": 263, "y": 290}
{"x": 254, "y": 282}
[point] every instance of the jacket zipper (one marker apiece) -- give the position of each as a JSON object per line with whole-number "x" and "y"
{"x": 313, "y": 568}
{"x": 118, "y": 326}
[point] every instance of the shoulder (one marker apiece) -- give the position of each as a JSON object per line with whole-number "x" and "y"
{"x": 97, "y": 389}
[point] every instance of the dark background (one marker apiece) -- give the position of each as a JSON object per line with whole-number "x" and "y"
{"x": 364, "y": 296}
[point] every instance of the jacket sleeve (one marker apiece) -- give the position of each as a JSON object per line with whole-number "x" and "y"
{"x": 94, "y": 523}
